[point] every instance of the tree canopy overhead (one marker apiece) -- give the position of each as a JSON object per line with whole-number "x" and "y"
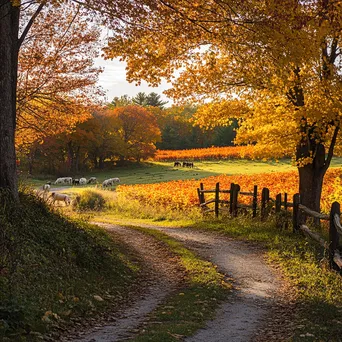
{"x": 274, "y": 64}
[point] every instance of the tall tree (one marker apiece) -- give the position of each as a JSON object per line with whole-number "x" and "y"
{"x": 56, "y": 76}
{"x": 282, "y": 58}
{"x": 11, "y": 39}
{"x": 139, "y": 132}
{"x": 140, "y": 99}
{"x": 154, "y": 100}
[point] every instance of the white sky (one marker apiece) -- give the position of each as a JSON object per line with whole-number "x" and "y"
{"x": 113, "y": 81}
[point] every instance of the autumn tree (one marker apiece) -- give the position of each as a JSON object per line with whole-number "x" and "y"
{"x": 16, "y": 21}
{"x": 56, "y": 76}
{"x": 275, "y": 64}
{"x": 121, "y": 101}
{"x": 139, "y": 132}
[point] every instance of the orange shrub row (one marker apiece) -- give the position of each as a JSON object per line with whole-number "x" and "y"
{"x": 181, "y": 195}
{"x": 230, "y": 152}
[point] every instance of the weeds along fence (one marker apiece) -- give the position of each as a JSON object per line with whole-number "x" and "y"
{"x": 280, "y": 206}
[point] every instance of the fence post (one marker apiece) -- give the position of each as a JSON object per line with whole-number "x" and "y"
{"x": 285, "y": 208}
{"x": 199, "y": 196}
{"x": 278, "y": 203}
{"x": 278, "y": 210}
{"x": 265, "y": 197}
{"x": 333, "y": 234}
{"x": 295, "y": 216}
{"x": 202, "y": 194}
{"x": 255, "y": 200}
{"x": 217, "y": 199}
{"x": 231, "y": 198}
{"x": 235, "y": 199}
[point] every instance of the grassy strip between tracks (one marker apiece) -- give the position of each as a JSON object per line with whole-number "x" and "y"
{"x": 187, "y": 310}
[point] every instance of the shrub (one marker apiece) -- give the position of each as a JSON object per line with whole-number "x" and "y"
{"x": 89, "y": 200}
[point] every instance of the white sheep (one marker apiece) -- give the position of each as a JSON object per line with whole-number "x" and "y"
{"x": 64, "y": 180}
{"x": 46, "y": 187}
{"x": 106, "y": 183}
{"x": 110, "y": 182}
{"x": 92, "y": 180}
{"x": 83, "y": 181}
{"x": 55, "y": 196}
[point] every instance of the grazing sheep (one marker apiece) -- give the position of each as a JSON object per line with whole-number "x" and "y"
{"x": 76, "y": 181}
{"x": 83, "y": 181}
{"x": 106, "y": 183}
{"x": 46, "y": 187}
{"x": 110, "y": 182}
{"x": 64, "y": 180}
{"x": 55, "y": 196}
{"x": 92, "y": 180}
{"x": 177, "y": 163}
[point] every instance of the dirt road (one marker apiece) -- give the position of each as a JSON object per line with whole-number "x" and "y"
{"x": 243, "y": 317}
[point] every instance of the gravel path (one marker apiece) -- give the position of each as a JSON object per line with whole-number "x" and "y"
{"x": 242, "y": 318}
{"x": 255, "y": 285}
{"x": 163, "y": 277}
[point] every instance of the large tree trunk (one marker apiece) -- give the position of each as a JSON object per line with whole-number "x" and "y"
{"x": 310, "y": 186}
{"x": 9, "y": 26}
{"x": 311, "y": 176}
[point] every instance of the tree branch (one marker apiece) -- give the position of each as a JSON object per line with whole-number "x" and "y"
{"x": 29, "y": 24}
{"x": 331, "y": 149}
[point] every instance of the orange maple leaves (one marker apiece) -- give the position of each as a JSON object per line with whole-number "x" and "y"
{"x": 181, "y": 195}
{"x": 228, "y": 152}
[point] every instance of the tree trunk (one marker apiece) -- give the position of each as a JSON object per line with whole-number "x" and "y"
{"x": 311, "y": 177}
{"x": 9, "y": 26}
{"x": 310, "y": 186}
{"x": 101, "y": 163}
{"x": 77, "y": 159}
{"x": 96, "y": 163}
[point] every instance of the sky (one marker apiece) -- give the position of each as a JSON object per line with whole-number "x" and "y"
{"x": 113, "y": 81}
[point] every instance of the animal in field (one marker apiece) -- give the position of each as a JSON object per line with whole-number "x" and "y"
{"x": 64, "y": 180}
{"x": 188, "y": 164}
{"x": 110, "y": 182}
{"x": 92, "y": 180}
{"x": 46, "y": 187}
{"x": 177, "y": 163}
{"x": 57, "y": 197}
{"x": 75, "y": 181}
{"x": 83, "y": 181}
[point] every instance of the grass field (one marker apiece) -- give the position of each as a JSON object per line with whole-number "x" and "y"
{"x": 155, "y": 172}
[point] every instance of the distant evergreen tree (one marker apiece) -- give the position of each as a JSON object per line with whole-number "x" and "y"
{"x": 154, "y": 100}
{"x": 140, "y": 99}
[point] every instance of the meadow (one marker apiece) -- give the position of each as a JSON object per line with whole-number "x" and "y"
{"x": 156, "y": 193}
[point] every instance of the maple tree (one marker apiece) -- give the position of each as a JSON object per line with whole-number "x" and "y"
{"x": 139, "y": 132}
{"x": 107, "y": 137}
{"x": 56, "y": 76}
{"x": 275, "y": 64}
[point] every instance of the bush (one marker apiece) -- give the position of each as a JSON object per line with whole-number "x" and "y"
{"x": 89, "y": 200}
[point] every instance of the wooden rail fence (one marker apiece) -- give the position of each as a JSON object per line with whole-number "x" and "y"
{"x": 280, "y": 205}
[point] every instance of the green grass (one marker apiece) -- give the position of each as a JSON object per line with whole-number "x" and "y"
{"x": 155, "y": 172}
{"x": 183, "y": 313}
{"x": 51, "y": 268}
